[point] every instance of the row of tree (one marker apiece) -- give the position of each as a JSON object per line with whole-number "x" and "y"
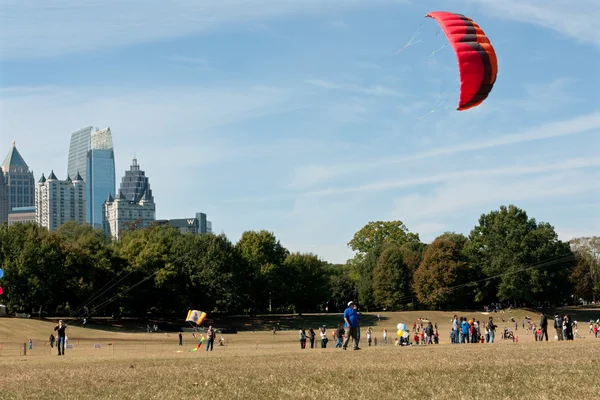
{"x": 507, "y": 257}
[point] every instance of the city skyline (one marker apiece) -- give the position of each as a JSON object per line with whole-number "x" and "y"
{"x": 134, "y": 187}
{"x": 305, "y": 118}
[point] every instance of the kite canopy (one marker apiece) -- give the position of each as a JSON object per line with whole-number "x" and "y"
{"x": 477, "y": 62}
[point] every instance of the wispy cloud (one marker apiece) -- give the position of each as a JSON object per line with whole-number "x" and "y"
{"x": 576, "y": 19}
{"x": 576, "y": 163}
{"x": 373, "y": 90}
{"x": 311, "y": 175}
{"x": 472, "y": 194}
{"x": 54, "y": 27}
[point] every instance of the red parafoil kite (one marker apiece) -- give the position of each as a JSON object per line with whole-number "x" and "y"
{"x": 477, "y": 61}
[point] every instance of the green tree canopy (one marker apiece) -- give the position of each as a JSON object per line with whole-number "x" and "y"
{"x": 530, "y": 263}
{"x": 391, "y": 279}
{"x": 379, "y": 233}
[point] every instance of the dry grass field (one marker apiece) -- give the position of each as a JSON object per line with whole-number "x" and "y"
{"x": 260, "y": 365}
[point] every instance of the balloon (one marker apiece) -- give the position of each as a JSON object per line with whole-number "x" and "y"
{"x": 401, "y": 326}
{"x": 400, "y": 332}
{"x": 1, "y": 291}
{"x": 470, "y": 322}
{"x": 405, "y": 335}
{"x": 1, "y": 273}
{"x": 477, "y": 62}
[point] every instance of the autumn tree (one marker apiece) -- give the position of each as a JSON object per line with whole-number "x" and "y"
{"x": 438, "y": 280}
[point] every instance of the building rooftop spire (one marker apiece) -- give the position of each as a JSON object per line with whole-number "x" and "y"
{"x": 14, "y": 159}
{"x": 14, "y": 143}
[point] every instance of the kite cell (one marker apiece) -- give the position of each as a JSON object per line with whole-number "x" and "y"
{"x": 477, "y": 63}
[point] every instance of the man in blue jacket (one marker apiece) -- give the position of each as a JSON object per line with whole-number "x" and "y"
{"x": 352, "y": 326}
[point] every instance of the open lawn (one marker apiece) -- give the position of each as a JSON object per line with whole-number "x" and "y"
{"x": 260, "y": 365}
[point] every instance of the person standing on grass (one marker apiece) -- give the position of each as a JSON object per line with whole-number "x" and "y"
{"x": 558, "y": 323}
{"x": 302, "y": 337}
{"x": 61, "y": 335}
{"x": 323, "y": 333}
{"x": 352, "y": 324}
{"x": 339, "y": 334}
{"x": 210, "y": 338}
{"x": 543, "y": 326}
{"x": 311, "y": 337}
{"x": 491, "y": 330}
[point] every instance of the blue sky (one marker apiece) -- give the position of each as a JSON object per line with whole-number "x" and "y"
{"x": 300, "y": 117}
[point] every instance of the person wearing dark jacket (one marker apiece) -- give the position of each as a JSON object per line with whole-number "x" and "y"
{"x": 558, "y": 323}
{"x": 544, "y": 326}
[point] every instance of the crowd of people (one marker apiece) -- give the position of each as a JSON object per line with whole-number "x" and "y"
{"x": 424, "y": 332}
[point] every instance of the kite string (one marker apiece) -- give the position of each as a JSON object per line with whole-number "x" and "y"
{"x": 412, "y": 39}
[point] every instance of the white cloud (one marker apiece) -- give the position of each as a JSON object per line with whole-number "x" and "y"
{"x": 311, "y": 175}
{"x": 476, "y": 193}
{"x": 576, "y": 19}
{"x": 374, "y": 90}
{"x": 571, "y": 164}
{"x": 55, "y": 27}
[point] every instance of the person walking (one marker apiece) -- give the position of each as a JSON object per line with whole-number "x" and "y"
{"x": 352, "y": 325}
{"x": 61, "y": 335}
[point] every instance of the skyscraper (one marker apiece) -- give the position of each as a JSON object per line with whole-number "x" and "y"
{"x": 135, "y": 183}
{"x": 78, "y": 152}
{"x": 91, "y": 155}
{"x": 18, "y": 180}
{"x": 59, "y": 201}
{"x": 133, "y": 207}
{"x": 100, "y": 175}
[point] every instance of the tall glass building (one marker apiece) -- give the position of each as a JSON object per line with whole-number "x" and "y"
{"x": 78, "y": 152}
{"x": 100, "y": 175}
{"x": 91, "y": 155}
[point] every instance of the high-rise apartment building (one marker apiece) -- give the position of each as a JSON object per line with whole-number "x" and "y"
{"x": 92, "y": 156}
{"x": 133, "y": 207}
{"x": 19, "y": 182}
{"x": 59, "y": 201}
